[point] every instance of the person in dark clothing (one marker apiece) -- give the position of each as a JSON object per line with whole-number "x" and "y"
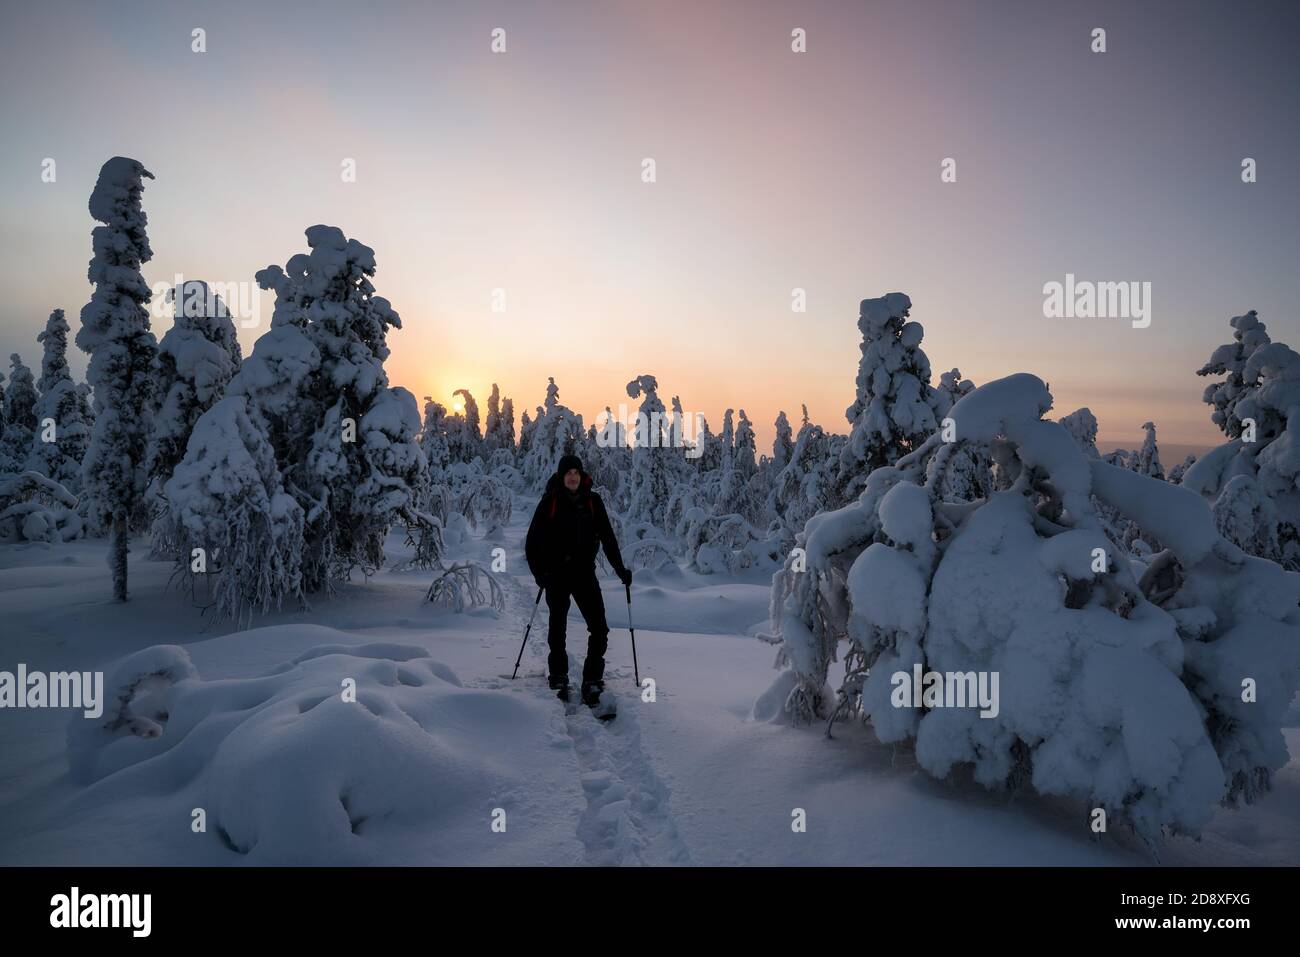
{"x": 569, "y": 526}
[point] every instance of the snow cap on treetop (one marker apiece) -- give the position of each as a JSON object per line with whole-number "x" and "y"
{"x": 647, "y": 384}
{"x": 120, "y": 180}
{"x": 875, "y": 313}
{"x": 992, "y": 409}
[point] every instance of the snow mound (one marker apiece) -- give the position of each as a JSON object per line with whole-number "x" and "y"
{"x": 289, "y": 768}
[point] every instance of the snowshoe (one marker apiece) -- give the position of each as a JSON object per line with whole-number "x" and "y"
{"x": 563, "y": 691}
{"x": 598, "y": 700}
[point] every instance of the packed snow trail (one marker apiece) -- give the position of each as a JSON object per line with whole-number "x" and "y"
{"x": 628, "y": 818}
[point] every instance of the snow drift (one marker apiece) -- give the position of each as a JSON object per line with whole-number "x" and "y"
{"x": 290, "y": 772}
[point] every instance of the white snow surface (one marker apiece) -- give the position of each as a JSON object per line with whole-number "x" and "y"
{"x": 251, "y": 727}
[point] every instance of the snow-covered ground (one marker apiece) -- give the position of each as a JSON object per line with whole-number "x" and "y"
{"x": 440, "y": 738}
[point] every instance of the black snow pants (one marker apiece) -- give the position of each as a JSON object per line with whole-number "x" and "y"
{"x": 580, "y": 585}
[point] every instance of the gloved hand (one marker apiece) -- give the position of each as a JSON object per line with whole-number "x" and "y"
{"x": 625, "y": 575}
{"x": 540, "y": 580}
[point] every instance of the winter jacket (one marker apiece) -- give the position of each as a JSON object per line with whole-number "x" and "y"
{"x": 567, "y": 531}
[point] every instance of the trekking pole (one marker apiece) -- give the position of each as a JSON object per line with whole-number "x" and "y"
{"x": 526, "y": 631}
{"x": 635, "y": 672}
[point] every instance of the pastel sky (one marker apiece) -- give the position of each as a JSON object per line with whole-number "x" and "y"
{"x": 820, "y": 170}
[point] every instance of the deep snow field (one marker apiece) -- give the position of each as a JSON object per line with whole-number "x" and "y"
{"x": 255, "y": 732}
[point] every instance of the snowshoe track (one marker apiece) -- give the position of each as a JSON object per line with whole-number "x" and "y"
{"x": 628, "y": 820}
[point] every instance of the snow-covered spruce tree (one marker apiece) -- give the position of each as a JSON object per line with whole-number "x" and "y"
{"x": 969, "y": 476}
{"x": 727, "y": 438}
{"x": 683, "y": 441}
{"x": 20, "y": 417}
{"x": 807, "y": 484}
{"x": 782, "y": 450}
{"x": 1148, "y": 457}
{"x": 395, "y": 469}
{"x": 1122, "y": 692}
{"x": 895, "y": 406}
{"x": 492, "y": 424}
{"x": 464, "y": 441}
{"x": 503, "y": 465}
{"x": 436, "y": 502}
{"x": 557, "y": 431}
{"x": 527, "y": 425}
{"x": 745, "y": 449}
{"x": 713, "y": 516}
{"x": 234, "y": 519}
{"x": 1241, "y": 384}
{"x": 719, "y": 544}
{"x": 950, "y": 389}
{"x": 506, "y": 425}
{"x": 115, "y": 332}
{"x": 344, "y": 440}
{"x": 501, "y": 460}
{"x": 677, "y": 426}
{"x": 197, "y": 358}
{"x": 709, "y": 458}
{"x": 739, "y": 492}
{"x": 693, "y": 482}
{"x": 753, "y": 505}
{"x": 715, "y": 454}
{"x": 1082, "y": 426}
{"x": 86, "y": 405}
{"x": 652, "y": 473}
{"x": 1176, "y": 473}
{"x": 717, "y": 541}
{"x": 606, "y": 457}
{"x": 1251, "y": 480}
{"x": 36, "y": 508}
{"x": 486, "y": 501}
{"x": 783, "y": 444}
{"x": 689, "y": 503}
{"x": 59, "y": 410}
{"x": 1121, "y": 459}
{"x": 1126, "y": 534}
{"x": 499, "y": 429}
{"x": 433, "y": 436}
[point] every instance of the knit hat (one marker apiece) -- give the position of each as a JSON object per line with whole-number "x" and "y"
{"x": 568, "y": 462}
